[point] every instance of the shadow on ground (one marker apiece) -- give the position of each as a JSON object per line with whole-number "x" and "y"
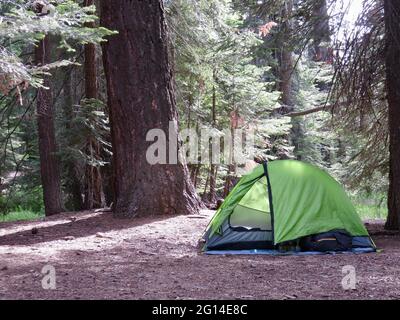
{"x": 158, "y": 259}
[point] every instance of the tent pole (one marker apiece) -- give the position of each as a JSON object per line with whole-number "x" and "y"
{"x": 271, "y": 205}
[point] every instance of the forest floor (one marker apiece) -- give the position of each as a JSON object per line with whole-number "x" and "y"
{"x": 98, "y": 257}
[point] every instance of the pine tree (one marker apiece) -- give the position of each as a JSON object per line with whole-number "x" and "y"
{"x": 141, "y": 97}
{"x": 49, "y": 162}
{"x": 392, "y": 27}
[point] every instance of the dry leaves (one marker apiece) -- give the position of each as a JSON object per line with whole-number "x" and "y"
{"x": 265, "y": 29}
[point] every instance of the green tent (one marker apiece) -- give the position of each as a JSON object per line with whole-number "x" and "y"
{"x": 282, "y": 201}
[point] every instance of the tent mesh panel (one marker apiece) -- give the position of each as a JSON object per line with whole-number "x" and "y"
{"x": 250, "y": 218}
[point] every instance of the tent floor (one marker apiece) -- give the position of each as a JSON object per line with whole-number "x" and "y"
{"x": 287, "y": 253}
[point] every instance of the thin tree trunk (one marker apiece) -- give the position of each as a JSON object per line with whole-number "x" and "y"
{"x": 213, "y": 167}
{"x": 213, "y": 183}
{"x": 73, "y": 182}
{"x": 192, "y": 167}
{"x": 141, "y": 97}
{"x": 49, "y": 163}
{"x": 206, "y": 186}
{"x": 287, "y": 68}
{"x": 286, "y": 60}
{"x": 321, "y": 32}
{"x": 91, "y": 85}
{"x": 94, "y": 194}
{"x": 392, "y": 24}
{"x": 230, "y": 177}
{"x": 189, "y": 115}
{"x": 286, "y": 79}
{"x": 196, "y": 175}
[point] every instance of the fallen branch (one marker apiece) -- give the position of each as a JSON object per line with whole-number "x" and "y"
{"x": 309, "y": 111}
{"x": 325, "y": 107}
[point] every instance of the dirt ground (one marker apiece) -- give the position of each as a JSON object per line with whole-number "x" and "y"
{"x": 98, "y": 257}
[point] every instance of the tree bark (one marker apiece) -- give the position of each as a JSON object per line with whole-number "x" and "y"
{"x": 213, "y": 183}
{"x": 94, "y": 194}
{"x": 286, "y": 59}
{"x": 231, "y": 175}
{"x": 206, "y": 186}
{"x": 141, "y": 97}
{"x": 392, "y": 26}
{"x": 91, "y": 85}
{"x": 287, "y": 75}
{"x": 49, "y": 163}
{"x": 73, "y": 183}
{"x": 321, "y": 32}
{"x": 213, "y": 168}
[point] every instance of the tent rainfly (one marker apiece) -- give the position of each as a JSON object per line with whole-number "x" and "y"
{"x": 287, "y": 204}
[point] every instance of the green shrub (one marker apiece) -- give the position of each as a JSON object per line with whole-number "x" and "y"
{"x": 371, "y": 206}
{"x": 20, "y": 214}
{"x": 21, "y": 204}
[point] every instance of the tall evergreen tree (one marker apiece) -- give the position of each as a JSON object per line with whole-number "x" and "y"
{"x": 141, "y": 97}
{"x": 392, "y": 31}
{"x": 49, "y": 162}
{"x": 94, "y": 194}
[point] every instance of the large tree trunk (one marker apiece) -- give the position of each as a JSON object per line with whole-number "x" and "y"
{"x": 141, "y": 97}
{"x": 49, "y": 163}
{"x": 392, "y": 23}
